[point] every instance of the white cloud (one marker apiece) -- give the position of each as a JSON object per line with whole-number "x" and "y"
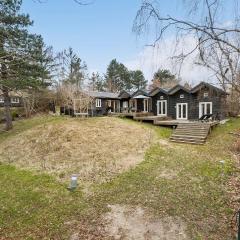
{"x": 150, "y": 59}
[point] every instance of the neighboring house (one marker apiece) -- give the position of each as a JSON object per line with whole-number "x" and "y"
{"x": 16, "y": 100}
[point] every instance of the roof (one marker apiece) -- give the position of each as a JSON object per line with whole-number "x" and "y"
{"x": 12, "y": 93}
{"x": 157, "y": 90}
{"x": 205, "y": 84}
{"x": 177, "y": 88}
{"x": 141, "y": 97}
{"x": 96, "y": 94}
{"x": 126, "y": 93}
{"x": 141, "y": 92}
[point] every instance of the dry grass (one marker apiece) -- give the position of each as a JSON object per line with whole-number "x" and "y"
{"x": 95, "y": 149}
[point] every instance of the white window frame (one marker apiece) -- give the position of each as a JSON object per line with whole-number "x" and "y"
{"x": 98, "y": 102}
{"x": 161, "y": 102}
{"x": 181, "y": 96}
{"x": 1, "y": 99}
{"x": 177, "y": 111}
{"x": 205, "y": 94}
{"x": 15, "y": 100}
{"x": 205, "y": 108}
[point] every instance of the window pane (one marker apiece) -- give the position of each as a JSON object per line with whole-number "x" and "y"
{"x": 164, "y": 108}
{"x": 179, "y": 111}
{"x": 208, "y": 108}
{"x": 184, "y": 110}
{"x": 160, "y": 107}
{"x": 203, "y": 109}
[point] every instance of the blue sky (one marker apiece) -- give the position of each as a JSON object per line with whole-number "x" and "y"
{"x": 102, "y": 31}
{"x": 98, "y": 32}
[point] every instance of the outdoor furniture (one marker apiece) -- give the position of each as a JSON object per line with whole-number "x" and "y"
{"x": 206, "y": 117}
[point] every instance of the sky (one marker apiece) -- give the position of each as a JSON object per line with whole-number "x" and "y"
{"x": 102, "y": 31}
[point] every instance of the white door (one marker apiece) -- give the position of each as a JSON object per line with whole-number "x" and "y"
{"x": 145, "y": 105}
{"x": 182, "y": 111}
{"x": 205, "y": 108}
{"x": 162, "y": 108}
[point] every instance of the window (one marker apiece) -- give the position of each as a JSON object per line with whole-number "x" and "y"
{"x": 98, "y": 102}
{"x": 162, "y": 108}
{"x": 15, "y": 100}
{"x": 182, "y": 96}
{"x": 125, "y": 104}
{"x": 1, "y": 100}
{"x": 205, "y": 94}
{"x": 161, "y": 97}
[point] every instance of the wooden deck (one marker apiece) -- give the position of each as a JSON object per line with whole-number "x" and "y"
{"x": 186, "y": 131}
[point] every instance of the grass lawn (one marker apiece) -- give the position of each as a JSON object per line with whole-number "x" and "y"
{"x": 175, "y": 189}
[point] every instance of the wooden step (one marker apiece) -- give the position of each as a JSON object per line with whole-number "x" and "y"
{"x": 183, "y": 141}
{"x": 194, "y": 133}
{"x": 188, "y": 136}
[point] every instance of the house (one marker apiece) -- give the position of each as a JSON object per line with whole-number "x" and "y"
{"x": 189, "y": 104}
{"x": 15, "y": 98}
{"x": 178, "y": 102}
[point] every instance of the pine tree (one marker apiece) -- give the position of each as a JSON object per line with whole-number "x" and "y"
{"x": 96, "y": 82}
{"x": 163, "y": 78}
{"x": 138, "y": 80}
{"x": 117, "y": 77}
{"x": 21, "y": 54}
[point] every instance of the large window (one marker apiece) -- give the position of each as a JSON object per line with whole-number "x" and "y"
{"x": 15, "y": 100}
{"x": 162, "y": 107}
{"x": 98, "y": 102}
{"x": 205, "y": 108}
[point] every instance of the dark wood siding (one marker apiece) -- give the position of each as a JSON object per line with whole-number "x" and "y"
{"x": 157, "y": 97}
{"x": 217, "y": 99}
{"x": 175, "y": 98}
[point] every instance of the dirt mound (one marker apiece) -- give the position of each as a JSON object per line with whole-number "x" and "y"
{"x": 95, "y": 149}
{"x": 125, "y": 222}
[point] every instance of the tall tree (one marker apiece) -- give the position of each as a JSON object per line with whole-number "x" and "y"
{"x": 216, "y": 43}
{"x": 117, "y": 76}
{"x": 72, "y": 68}
{"x": 138, "y": 80}
{"x": 21, "y": 54}
{"x": 163, "y": 78}
{"x": 96, "y": 82}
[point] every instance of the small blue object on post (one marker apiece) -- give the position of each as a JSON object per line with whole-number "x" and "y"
{"x": 73, "y": 183}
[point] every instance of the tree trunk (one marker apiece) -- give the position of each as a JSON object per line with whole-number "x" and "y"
{"x": 7, "y": 106}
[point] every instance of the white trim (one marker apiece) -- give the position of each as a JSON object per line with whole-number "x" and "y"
{"x": 205, "y": 94}
{"x": 98, "y": 102}
{"x": 145, "y": 105}
{"x": 15, "y": 100}
{"x": 205, "y": 108}
{"x": 161, "y": 102}
{"x": 181, "y": 115}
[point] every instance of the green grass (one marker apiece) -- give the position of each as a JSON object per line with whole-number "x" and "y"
{"x": 35, "y": 206}
{"x": 193, "y": 187}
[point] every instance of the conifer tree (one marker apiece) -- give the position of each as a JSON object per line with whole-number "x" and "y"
{"x": 22, "y": 62}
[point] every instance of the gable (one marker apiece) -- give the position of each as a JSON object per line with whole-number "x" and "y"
{"x": 139, "y": 92}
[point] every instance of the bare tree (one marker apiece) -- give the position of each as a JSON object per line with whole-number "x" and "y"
{"x": 217, "y": 44}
